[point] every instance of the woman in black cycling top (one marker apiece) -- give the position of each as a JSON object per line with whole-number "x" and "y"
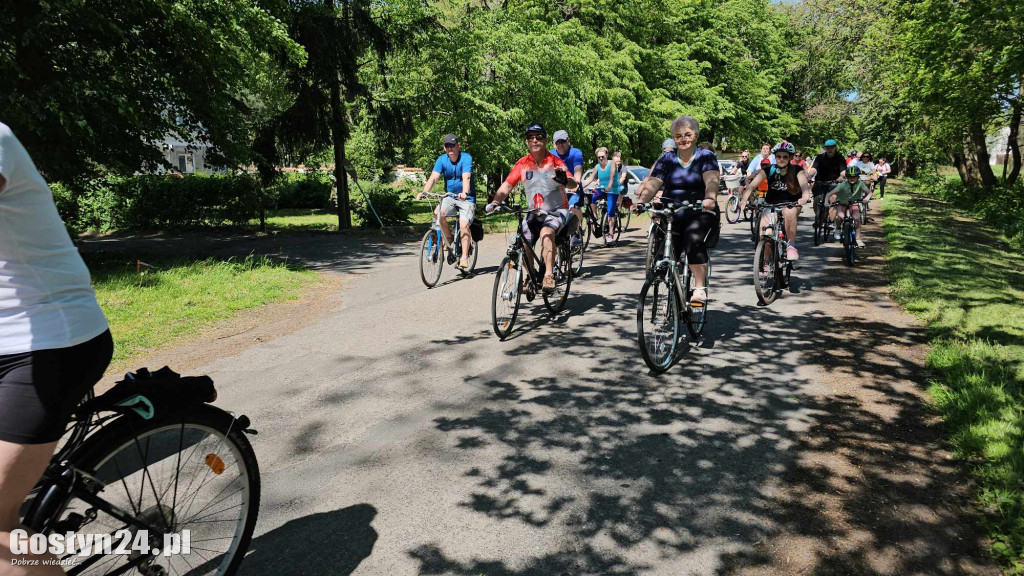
{"x": 786, "y": 183}
{"x": 689, "y": 174}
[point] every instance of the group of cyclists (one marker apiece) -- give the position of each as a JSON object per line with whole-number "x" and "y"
{"x": 553, "y": 183}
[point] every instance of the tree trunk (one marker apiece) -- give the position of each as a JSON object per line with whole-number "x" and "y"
{"x": 1013, "y": 137}
{"x": 265, "y": 157}
{"x": 339, "y": 133}
{"x": 980, "y": 149}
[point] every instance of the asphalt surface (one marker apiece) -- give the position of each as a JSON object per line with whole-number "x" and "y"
{"x": 398, "y": 435}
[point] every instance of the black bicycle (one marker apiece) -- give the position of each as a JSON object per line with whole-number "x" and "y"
{"x": 772, "y": 267}
{"x": 148, "y": 464}
{"x": 848, "y": 234}
{"x": 522, "y": 271}
{"x": 665, "y": 299}
{"x": 822, "y": 223}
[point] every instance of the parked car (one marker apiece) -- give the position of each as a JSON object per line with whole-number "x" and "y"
{"x": 634, "y": 175}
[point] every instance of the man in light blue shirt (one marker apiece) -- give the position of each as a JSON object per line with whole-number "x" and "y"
{"x": 755, "y": 164}
{"x": 456, "y": 167}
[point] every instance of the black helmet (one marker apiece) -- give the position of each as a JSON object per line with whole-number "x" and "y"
{"x": 853, "y": 172}
{"x": 535, "y": 127}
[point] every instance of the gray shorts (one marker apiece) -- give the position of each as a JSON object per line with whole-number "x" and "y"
{"x": 532, "y": 223}
{"x": 466, "y": 208}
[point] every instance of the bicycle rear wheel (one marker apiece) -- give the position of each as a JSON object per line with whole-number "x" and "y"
{"x": 766, "y": 271}
{"x": 732, "y": 209}
{"x": 431, "y": 258}
{"x": 625, "y": 215}
{"x": 506, "y": 297}
{"x": 657, "y": 322}
{"x": 195, "y": 471}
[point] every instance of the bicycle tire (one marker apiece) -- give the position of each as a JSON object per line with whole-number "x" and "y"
{"x": 576, "y": 255}
{"x": 618, "y": 227}
{"x": 766, "y": 286}
{"x": 603, "y": 227}
{"x": 508, "y": 277}
{"x": 658, "y": 347}
{"x": 586, "y": 227}
{"x": 431, "y": 258}
{"x": 849, "y": 243}
{"x": 732, "y": 209}
{"x": 100, "y": 455}
{"x": 555, "y": 301}
{"x": 627, "y": 215}
{"x": 755, "y": 218}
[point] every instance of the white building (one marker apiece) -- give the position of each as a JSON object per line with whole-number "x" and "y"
{"x": 184, "y": 157}
{"x": 997, "y": 146}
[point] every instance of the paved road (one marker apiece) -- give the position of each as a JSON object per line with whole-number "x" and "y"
{"x": 399, "y": 436}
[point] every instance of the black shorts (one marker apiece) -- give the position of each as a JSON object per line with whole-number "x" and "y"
{"x": 39, "y": 390}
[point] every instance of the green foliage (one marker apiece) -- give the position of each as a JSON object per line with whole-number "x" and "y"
{"x": 93, "y": 85}
{"x": 392, "y": 204}
{"x": 309, "y": 190}
{"x": 1001, "y": 206}
{"x": 953, "y": 272}
{"x": 160, "y": 202}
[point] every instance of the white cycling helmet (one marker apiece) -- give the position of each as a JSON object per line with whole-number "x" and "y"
{"x": 785, "y": 147}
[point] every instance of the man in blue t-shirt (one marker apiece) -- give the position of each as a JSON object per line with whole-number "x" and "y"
{"x": 573, "y": 158}
{"x": 456, "y": 167}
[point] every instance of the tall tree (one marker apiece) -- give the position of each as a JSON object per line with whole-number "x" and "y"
{"x": 91, "y": 85}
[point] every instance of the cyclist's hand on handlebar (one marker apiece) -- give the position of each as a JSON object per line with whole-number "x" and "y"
{"x": 491, "y": 207}
{"x": 462, "y": 196}
{"x": 560, "y": 176}
{"x": 420, "y": 196}
{"x": 709, "y": 204}
{"x": 802, "y": 201}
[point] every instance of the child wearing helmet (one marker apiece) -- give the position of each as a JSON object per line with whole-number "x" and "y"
{"x": 849, "y": 195}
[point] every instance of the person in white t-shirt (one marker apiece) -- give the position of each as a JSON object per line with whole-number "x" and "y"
{"x": 54, "y": 339}
{"x": 868, "y": 174}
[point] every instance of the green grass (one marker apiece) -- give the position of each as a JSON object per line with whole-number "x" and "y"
{"x": 957, "y": 275}
{"x": 178, "y": 298}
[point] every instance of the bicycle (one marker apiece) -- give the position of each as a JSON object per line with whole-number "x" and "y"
{"x": 151, "y": 457}
{"x": 822, "y": 223}
{"x": 733, "y": 185}
{"x": 772, "y": 268}
{"x": 848, "y": 234}
{"x": 434, "y": 251}
{"x": 751, "y": 211}
{"x": 510, "y": 282}
{"x": 665, "y": 295}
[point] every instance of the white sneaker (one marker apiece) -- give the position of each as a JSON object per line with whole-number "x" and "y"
{"x": 838, "y": 232}
{"x": 860, "y": 243}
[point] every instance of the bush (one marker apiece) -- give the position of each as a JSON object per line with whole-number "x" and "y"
{"x": 393, "y": 205}
{"x": 1002, "y": 206}
{"x": 310, "y": 190}
{"x": 155, "y": 202}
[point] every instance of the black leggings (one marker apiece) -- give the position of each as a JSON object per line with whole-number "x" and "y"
{"x": 40, "y": 389}
{"x": 689, "y": 232}
{"x": 881, "y": 185}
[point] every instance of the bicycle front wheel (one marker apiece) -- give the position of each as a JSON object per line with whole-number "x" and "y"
{"x": 505, "y": 298}
{"x": 576, "y": 253}
{"x": 732, "y": 209}
{"x": 766, "y": 271}
{"x": 655, "y": 246}
{"x": 849, "y": 243}
{"x": 555, "y": 301}
{"x": 657, "y": 322}
{"x": 431, "y": 258}
{"x": 194, "y": 475}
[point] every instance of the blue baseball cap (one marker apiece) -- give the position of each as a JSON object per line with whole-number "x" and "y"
{"x": 830, "y": 142}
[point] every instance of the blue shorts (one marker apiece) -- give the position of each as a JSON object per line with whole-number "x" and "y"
{"x": 575, "y": 200}
{"x": 613, "y": 203}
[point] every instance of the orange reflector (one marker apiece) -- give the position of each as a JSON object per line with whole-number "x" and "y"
{"x": 215, "y": 463}
{"x": 696, "y": 305}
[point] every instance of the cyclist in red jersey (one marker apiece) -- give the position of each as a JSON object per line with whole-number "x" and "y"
{"x": 544, "y": 178}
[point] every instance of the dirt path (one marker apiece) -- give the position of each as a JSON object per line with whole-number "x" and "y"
{"x": 875, "y": 489}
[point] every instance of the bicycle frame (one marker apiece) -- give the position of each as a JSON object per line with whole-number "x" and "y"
{"x": 668, "y": 254}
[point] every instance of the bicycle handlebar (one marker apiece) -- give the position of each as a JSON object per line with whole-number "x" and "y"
{"x": 674, "y": 206}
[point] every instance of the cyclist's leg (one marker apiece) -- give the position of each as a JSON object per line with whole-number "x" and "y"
{"x": 855, "y": 214}
{"x": 447, "y": 208}
{"x": 547, "y": 250}
{"x": 38, "y": 392}
{"x": 467, "y": 211}
{"x": 790, "y": 215}
{"x": 21, "y": 466}
{"x": 695, "y": 231}
{"x": 612, "y": 210}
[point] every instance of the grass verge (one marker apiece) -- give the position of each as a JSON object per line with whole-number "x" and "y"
{"x": 176, "y": 299}
{"x": 957, "y": 275}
